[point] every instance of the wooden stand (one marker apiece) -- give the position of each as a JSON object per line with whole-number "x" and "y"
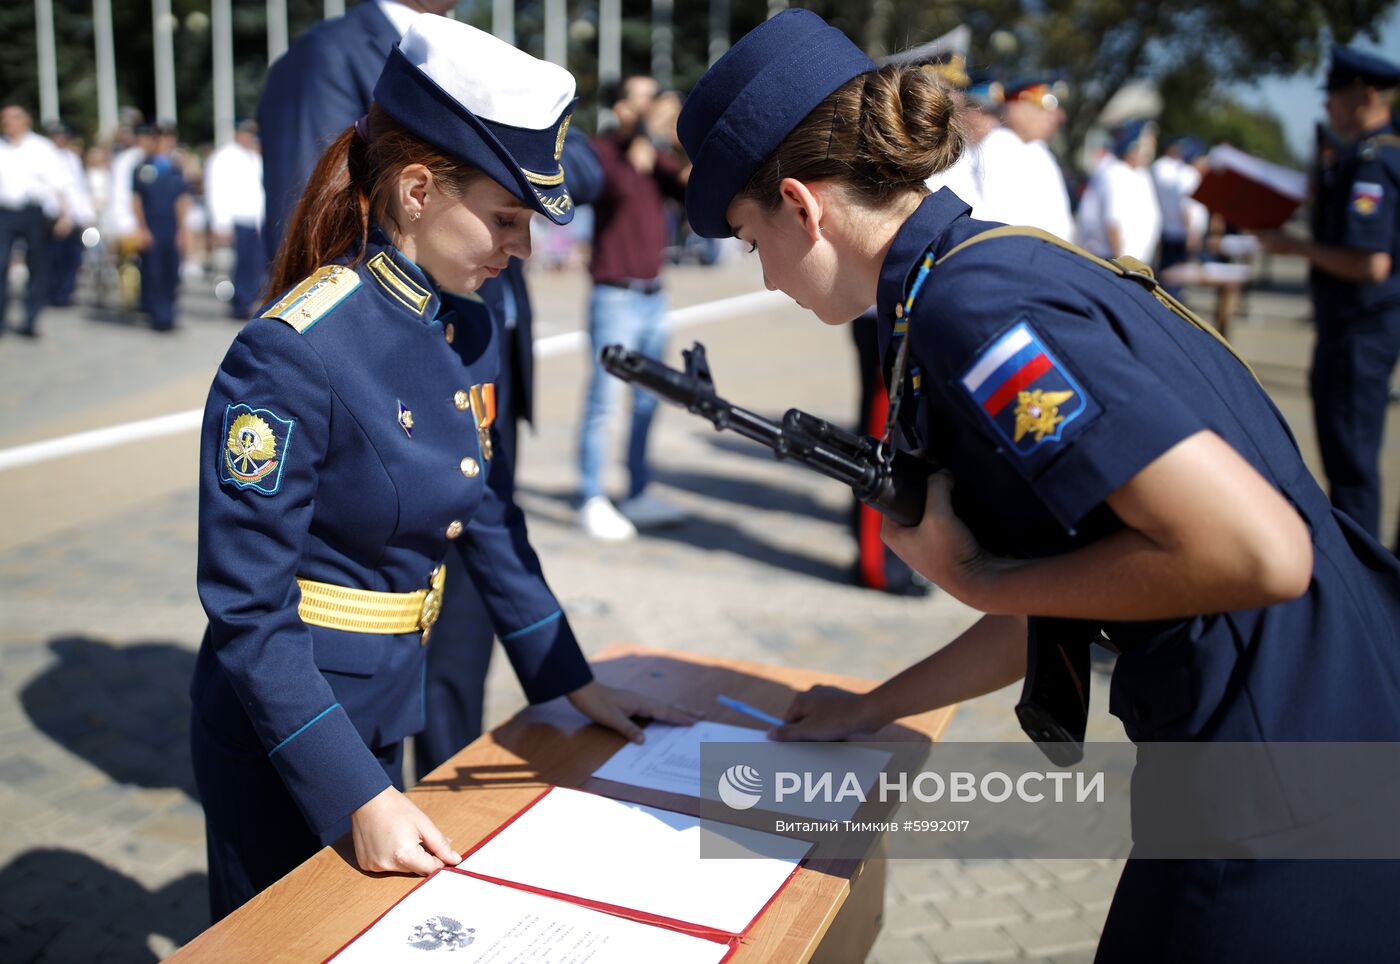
{"x": 830, "y": 911}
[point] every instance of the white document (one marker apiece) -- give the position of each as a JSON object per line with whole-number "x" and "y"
{"x": 638, "y": 857}
{"x": 462, "y": 919}
{"x": 670, "y": 760}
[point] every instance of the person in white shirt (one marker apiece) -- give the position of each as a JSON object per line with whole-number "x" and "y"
{"x": 233, "y": 192}
{"x": 1176, "y": 177}
{"x": 123, "y": 240}
{"x": 32, "y": 209}
{"x": 1119, "y": 214}
{"x": 977, "y": 110}
{"x": 1022, "y": 181}
{"x": 66, "y": 252}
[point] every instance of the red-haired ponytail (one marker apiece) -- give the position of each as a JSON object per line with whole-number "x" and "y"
{"x": 352, "y": 186}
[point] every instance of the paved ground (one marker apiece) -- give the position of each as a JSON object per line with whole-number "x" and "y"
{"x": 101, "y": 854}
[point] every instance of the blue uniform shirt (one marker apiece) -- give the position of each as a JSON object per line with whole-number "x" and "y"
{"x": 1358, "y": 206}
{"x": 345, "y": 445}
{"x": 157, "y": 181}
{"x": 1044, "y": 383}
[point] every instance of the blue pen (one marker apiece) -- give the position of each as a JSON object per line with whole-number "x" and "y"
{"x": 753, "y": 711}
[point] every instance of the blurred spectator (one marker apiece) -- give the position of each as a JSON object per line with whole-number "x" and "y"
{"x": 32, "y": 209}
{"x": 978, "y": 105}
{"x": 160, "y": 203}
{"x": 66, "y": 252}
{"x": 1022, "y": 181}
{"x": 628, "y": 304}
{"x": 133, "y": 140}
{"x": 1119, "y": 214}
{"x": 233, "y": 192}
{"x": 1176, "y": 175}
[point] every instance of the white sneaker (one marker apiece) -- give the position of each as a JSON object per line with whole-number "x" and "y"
{"x": 601, "y": 520}
{"x": 649, "y": 512}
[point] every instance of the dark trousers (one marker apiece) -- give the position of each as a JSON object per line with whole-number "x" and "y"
{"x": 876, "y": 566}
{"x": 1280, "y": 911}
{"x": 1350, "y": 381}
{"x": 1170, "y": 253}
{"x": 160, "y": 278}
{"x": 254, "y": 832}
{"x": 459, "y": 649}
{"x": 30, "y": 226}
{"x": 249, "y": 270}
{"x": 65, "y": 258}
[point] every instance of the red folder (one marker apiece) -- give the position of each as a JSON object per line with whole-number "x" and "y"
{"x": 1249, "y": 192}
{"x": 731, "y": 939}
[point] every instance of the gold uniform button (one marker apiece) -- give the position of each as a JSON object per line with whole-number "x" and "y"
{"x": 899, "y": 310}
{"x": 454, "y": 529}
{"x": 461, "y": 400}
{"x": 449, "y": 331}
{"x": 469, "y": 467}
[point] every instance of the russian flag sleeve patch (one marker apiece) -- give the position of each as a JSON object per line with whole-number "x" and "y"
{"x": 1025, "y": 392}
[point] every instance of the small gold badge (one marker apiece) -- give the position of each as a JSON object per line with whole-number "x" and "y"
{"x": 405, "y": 420}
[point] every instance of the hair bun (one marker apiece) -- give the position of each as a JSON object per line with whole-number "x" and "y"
{"x": 909, "y": 126}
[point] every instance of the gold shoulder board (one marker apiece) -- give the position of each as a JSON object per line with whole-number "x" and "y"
{"x": 315, "y": 296}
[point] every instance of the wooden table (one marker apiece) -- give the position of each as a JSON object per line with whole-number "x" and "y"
{"x": 829, "y": 911}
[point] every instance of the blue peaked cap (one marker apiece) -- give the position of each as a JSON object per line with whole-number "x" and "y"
{"x": 1349, "y": 65}
{"x": 458, "y": 67}
{"x": 751, "y": 99}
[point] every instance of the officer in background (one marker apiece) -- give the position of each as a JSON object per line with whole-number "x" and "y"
{"x": 66, "y": 251}
{"x": 1355, "y": 260}
{"x": 160, "y": 199}
{"x": 1119, "y": 214}
{"x": 31, "y": 209}
{"x": 233, "y": 189}
{"x": 321, "y": 85}
{"x": 1022, "y": 182}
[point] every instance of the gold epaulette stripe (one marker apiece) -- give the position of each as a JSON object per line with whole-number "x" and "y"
{"x": 399, "y": 285}
{"x": 313, "y": 298}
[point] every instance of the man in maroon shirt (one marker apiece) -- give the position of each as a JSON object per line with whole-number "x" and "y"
{"x": 628, "y": 305}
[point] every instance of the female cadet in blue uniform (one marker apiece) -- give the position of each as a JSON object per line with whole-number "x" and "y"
{"x": 1111, "y": 468}
{"x": 346, "y": 444}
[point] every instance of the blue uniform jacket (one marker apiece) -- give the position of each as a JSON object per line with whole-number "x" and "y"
{"x": 1357, "y": 205}
{"x": 320, "y": 86}
{"x": 158, "y": 182}
{"x": 1045, "y": 383}
{"x": 342, "y": 445}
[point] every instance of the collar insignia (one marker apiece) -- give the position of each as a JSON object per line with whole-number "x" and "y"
{"x": 398, "y": 283}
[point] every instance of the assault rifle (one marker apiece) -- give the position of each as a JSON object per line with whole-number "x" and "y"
{"x": 894, "y": 483}
{"x": 1054, "y": 705}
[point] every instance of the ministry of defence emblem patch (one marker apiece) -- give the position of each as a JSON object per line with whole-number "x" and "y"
{"x": 1024, "y": 391}
{"x": 255, "y": 448}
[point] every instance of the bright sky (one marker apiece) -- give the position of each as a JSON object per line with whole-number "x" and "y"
{"x": 1298, "y": 100}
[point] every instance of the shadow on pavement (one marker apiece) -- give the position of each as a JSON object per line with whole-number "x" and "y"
{"x": 752, "y": 492}
{"x": 125, "y": 709}
{"x": 60, "y": 906}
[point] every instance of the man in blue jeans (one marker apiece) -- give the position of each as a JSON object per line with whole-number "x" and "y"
{"x": 628, "y": 305}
